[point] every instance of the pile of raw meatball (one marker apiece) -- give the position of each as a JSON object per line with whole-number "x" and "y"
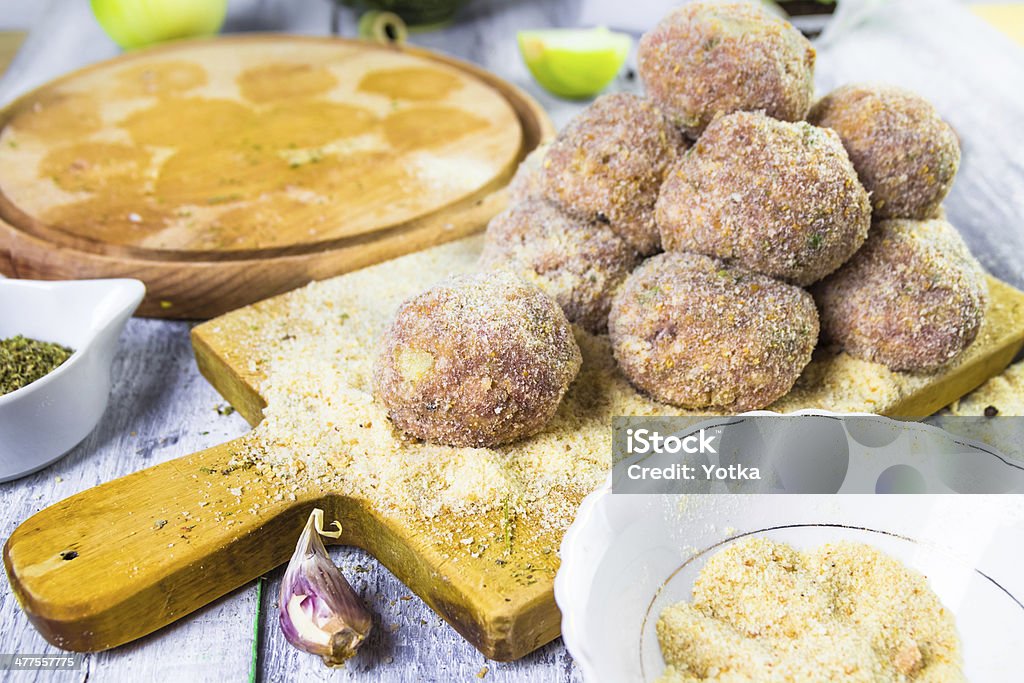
{"x": 714, "y": 228}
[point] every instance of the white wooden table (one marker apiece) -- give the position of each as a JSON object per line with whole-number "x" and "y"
{"x": 161, "y": 408}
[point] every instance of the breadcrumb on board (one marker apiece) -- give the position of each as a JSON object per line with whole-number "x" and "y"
{"x": 310, "y": 354}
{"x": 1001, "y": 395}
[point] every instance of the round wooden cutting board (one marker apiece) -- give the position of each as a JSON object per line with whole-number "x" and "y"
{"x": 224, "y": 171}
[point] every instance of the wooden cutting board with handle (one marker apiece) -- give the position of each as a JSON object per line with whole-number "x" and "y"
{"x": 224, "y": 171}
{"x": 116, "y": 562}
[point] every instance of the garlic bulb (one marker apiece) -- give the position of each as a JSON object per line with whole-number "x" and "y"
{"x": 319, "y": 611}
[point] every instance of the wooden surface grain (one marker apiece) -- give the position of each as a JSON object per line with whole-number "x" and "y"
{"x": 322, "y": 167}
{"x": 161, "y": 408}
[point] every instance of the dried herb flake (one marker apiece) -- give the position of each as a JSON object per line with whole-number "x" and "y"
{"x": 23, "y": 361}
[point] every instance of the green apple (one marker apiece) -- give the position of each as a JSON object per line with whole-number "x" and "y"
{"x": 137, "y": 23}
{"x": 574, "y": 63}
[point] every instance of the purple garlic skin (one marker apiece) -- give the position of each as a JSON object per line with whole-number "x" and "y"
{"x": 319, "y": 612}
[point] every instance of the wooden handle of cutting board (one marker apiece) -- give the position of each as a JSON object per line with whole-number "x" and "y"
{"x": 122, "y": 559}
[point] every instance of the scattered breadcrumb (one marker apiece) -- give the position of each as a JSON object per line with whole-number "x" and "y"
{"x": 1001, "y": 395}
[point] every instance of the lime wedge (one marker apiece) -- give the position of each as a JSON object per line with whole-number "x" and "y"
{"x": 574, "y": 63}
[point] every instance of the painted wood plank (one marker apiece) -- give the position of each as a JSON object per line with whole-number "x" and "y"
{"x": 409, "y": 641}
{"x": 160, "y": 407}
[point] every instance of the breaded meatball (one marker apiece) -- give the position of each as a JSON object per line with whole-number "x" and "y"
{"x": 780, "y": 198}
{"x": 711, "y": 58}
{"x": 906, "y": 156}
{"x": 526, "y": 183}
{"x": 913, "y": 298}
{"x": 477, "y": 360}
{"x": 580, "y": 264}
{"x": 608, "y": 164}
{"x": 694, "y": 332}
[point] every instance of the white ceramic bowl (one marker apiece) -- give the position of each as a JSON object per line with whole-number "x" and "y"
{"x": 627, "y": 557}
{"x": 44, "y": 420}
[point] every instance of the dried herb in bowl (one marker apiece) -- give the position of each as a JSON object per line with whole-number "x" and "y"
{"x": 24, "y": 360}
